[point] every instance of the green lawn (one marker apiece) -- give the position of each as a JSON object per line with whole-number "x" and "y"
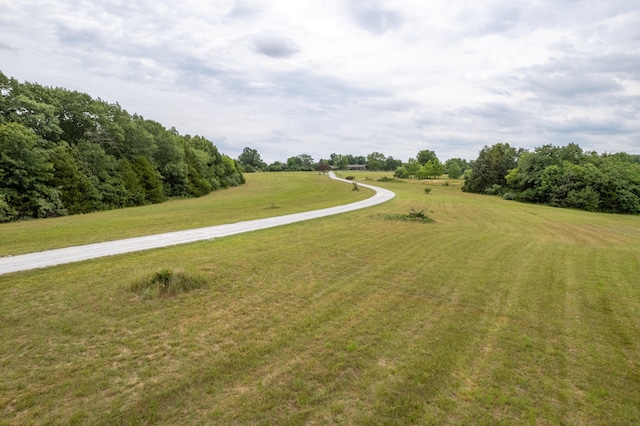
{"x": 496, "y": 313}
{"x": 264, "y": 195}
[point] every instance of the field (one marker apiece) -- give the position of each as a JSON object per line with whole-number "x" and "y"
{"x": 496, "y": 313}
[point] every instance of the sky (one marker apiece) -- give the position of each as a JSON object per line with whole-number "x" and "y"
{"x": 290, "y": 77}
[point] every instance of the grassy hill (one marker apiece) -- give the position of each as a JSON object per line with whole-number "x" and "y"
{"x": 497, "y": 312}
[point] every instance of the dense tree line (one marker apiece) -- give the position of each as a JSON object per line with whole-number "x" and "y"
{"x": 559, "y": 176}
{"x": 251, "y": 161}
{"x": 63, "y": 152}
{"x": 425, "y": 165}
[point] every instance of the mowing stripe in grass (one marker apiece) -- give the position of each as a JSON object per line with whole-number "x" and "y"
{"x": 497, "y": 313}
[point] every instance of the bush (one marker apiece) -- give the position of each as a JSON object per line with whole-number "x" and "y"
{"x": 509, "y": 196}
{"x": 355, "y": 186}
{"x": 166, "y": 282}
{"x": 494, "y": 189}
{"x": 427, "y": 190}
{"x": 350, "y": 178}
{"x": 412, "y": 216}
{"x": 415, "y": 214}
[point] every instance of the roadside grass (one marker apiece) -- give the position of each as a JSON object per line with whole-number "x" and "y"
{"x": 264, "y": 195}
{"x": 497, "y": 313}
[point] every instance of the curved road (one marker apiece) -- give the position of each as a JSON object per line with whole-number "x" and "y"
{"x": 47, "y": 258}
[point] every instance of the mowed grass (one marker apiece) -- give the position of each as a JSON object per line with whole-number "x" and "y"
{"x": 496, "y": 313}
{"x": 264, "y": 195}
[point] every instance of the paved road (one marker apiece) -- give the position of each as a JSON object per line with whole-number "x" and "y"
{"x": 47, "y": 258}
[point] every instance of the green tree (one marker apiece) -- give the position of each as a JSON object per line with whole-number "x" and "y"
{"x": 307, "y": 162}
{"x": 277, "y": 166}
{"x": 250, "y": 157}
{"x": 391, "y": 163}
{"x": 150, "y": 180}
{"x": 198, "y": 185}
{"x": 340, "y": 162}
{"x": 25, "y": 173}
{"x": 82, "y": 145}
{"x": 461, "y": 164}
{"x": 491, "y": 167}
{"x": 170, "y": 160}
{"x": 77, "y": 192}
{"x": 134, "y": 191}
{"x": 412, "y": 167}
{"x": 424, "y": 156}
{"x": 401, "y": 172}
{"x": 454, "y": 171}
{"x": 103, "y": 170}
{"x": 432, "y": 169}
{"x": 376, "y": 161}
{"x": 294, "y": 164}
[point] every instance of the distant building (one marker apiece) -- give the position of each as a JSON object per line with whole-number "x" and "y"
{"x": 357, "y": 167}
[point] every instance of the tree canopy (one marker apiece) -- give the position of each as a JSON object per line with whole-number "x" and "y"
{"x": 251, "y": 160}
{"x": 559, "y": 176}
{"x": 63, "y": 152}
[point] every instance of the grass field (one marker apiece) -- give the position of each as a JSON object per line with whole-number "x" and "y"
{"x": 263, "y": 196}
{"x": 496, "y": 313}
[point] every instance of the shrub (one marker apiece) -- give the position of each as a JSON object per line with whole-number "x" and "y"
{"x": 355, "y": 186}
{"x": 427, "y": 190}
{"x": 350, "y": 178}
{"x": 412, "y": 216}
{"x": 509, "y": 196}
{"x": 167, "y": 282}
{"x": 415, "y": 214}
{"x": 494, "y": 189}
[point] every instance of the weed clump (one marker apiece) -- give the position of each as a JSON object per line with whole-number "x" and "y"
{"x": 166, "y": 283}
{"x": 355, "y": 186}
{"x": 412, "y": 216}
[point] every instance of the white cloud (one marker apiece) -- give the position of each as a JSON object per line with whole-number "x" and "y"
{"x": 287, "y": 77}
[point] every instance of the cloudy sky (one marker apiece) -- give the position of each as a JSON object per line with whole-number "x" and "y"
{"x": 288, "y": 77}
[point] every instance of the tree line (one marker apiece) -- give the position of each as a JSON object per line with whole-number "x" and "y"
{"x": 251, "y": 161}
{"x": 63, "y": 152}
{"x": 425, "y": 165}
{"x": 560, "y": 176}
{"x": 565, "y": 176}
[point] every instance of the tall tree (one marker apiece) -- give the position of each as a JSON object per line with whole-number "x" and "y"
{"x": 491, "y": 167}
{"x": 376, "y": 161}
{"x": 77, "y": 191}
{"x": 250, "y": 157}
{"x": 424, "y": 156}
{"x": 25, "y": 173}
